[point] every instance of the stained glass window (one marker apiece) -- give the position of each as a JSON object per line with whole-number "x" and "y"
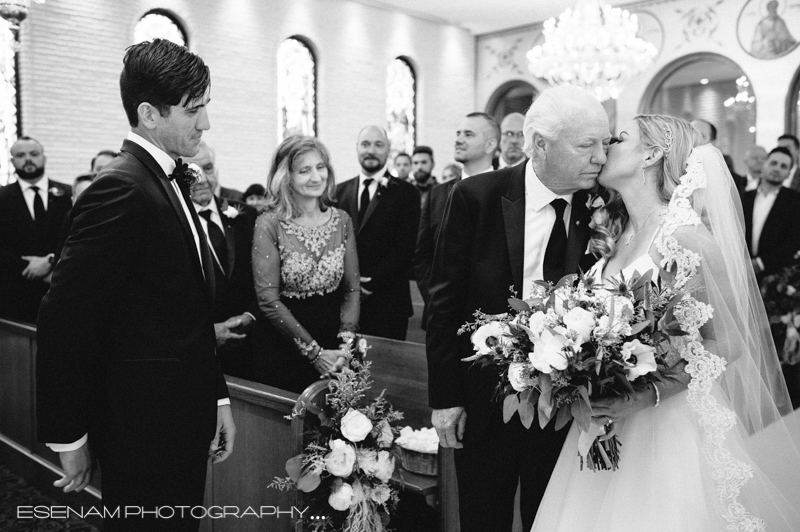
{"x": 159, "y": 23}
{"x": 296, "y": 91}
{"x": 401, "y": 106}
{"x": 8, "y": 101}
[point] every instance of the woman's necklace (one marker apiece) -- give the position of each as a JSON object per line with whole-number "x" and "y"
{"x": 636, "y": 231}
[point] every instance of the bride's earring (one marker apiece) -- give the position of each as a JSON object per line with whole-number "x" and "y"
{"x": 644, "y": 179}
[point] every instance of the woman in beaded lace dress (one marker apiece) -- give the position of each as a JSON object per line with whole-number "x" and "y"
{"x": 306, "y": 271}
{"x": 713, "y": 446}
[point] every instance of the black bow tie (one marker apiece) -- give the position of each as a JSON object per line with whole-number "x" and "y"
{"x": 185, "y": 176}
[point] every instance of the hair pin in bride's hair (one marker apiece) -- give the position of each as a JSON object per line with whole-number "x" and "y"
{"x": 667, "y": 138}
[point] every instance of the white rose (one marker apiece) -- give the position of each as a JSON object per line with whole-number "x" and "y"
{"x": 341, "y": 496}
{"x": 231, "y": 212}
{"x": 385, "y": 436}
{"x": 517, "y": 378}
{"x": 355, "y": 426}
{"x": 537, "y": 323}
{"x": 582, "y": 322}
{"x": 547, "y": 352}
{"x": 368, "y": 461}
{"x": 340, "y": 460}
{"x": 640, "y": 359}
{"x": 492, "y": 329}
{"x": 385, "y": 466}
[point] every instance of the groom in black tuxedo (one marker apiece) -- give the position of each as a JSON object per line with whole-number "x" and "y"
{"x": 505, "y": 229}
{"x": 126, "y": 366}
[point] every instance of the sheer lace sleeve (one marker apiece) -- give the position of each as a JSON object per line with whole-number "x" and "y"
{"x": 351, "y": 280}
{"x": 267, "y": 278}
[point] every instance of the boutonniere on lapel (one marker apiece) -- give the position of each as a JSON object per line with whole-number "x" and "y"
{"x": 186, "y": 174}
{"x": 55, "y": 192}
{"x": 231, "y": 212}
{"x": 382, "y": 181}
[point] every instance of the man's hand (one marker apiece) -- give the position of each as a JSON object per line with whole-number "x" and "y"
{"x": 77, "y": 466}
{"x": 37, "y": 268}
{"x": 224, "y": 331}
{"x": 240, "y": 324}
{"x": 222, "y": 444}
{"x": 449, "y": 424}
{"x": 364, "y": 291}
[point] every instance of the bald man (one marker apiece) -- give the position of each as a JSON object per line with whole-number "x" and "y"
{"x": 511, "y": 140}
{"x": 385, "y": 213}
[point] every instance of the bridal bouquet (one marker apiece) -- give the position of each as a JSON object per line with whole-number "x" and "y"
{"x": 575, "y": 341}
{"x": 347, "y": 465}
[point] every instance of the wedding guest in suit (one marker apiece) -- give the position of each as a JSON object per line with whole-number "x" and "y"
{"x": 511, "y": 140}
{"x": 254, "y": 196}
{"x": 451, "y": 172}
{"x": 504, "y": 229}
{"x": 754, "y": 159}
{"x": 385, "y": 213}
{"x": 306, "y": 271}
{"x": 80, "y": 184}
{"x": 100, "y": 160}
{"x": 206, "y": 159}
{"x": 31, "y": 211}
{"x": 422, "y": 162}
{"x": 791, "y": 143}
{"x": 126, "y": 364}
{"x": 772, "y": 224}
{"x": 476, "y": 141}
{"x": 402, "y": 165}
{"x": 229, "y": 229}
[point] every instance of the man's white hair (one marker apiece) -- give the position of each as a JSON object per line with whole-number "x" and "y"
{"x": 552, "y": 110}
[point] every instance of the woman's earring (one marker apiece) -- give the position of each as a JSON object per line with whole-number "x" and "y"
{"x": 644, "y": 179}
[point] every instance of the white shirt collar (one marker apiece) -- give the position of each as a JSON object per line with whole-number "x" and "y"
{"x": 379, "y": 177}
{"x": 43, "y": 183}
{"x": 465, "y": 175}
{"x": 166, "y": 162}
{"x": 535, "y": 192}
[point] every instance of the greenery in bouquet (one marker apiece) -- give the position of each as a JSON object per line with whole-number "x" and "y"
{"x": 575, "y": 341}
{"x": 347, "y": 464}
{"x": 781, "y": 294}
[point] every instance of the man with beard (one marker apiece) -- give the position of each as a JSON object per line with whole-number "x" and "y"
{"x": 385, "y": 213}
{"x": 422, "y": 164}
{"x": 511, "y": 140}
{"x": 31, "y": 212}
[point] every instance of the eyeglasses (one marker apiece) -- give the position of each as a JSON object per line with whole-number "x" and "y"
{"x": 513, "y": 134}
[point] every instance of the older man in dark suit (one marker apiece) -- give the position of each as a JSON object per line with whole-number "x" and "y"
{"x": 504, "y": 229}
{"x": 126, "y": 367}
{"x": 385, "y": 211}
{"x": 31, "y": 212}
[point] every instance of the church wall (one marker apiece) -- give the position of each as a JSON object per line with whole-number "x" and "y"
{"x": 72, "y": 54}
{"x": 687, "y": 27}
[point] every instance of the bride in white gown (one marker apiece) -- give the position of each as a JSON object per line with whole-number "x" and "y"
{"x": 713, "y": 447}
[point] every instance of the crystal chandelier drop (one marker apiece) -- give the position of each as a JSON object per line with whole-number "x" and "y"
{"x": 593, "y": 46}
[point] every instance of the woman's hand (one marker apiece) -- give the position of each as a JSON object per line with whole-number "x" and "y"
{"x": 330, "y": 362}
{"x": 614, "y": 409}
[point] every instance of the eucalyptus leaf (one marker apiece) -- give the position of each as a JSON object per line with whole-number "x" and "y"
{"x": 510, "y": 405}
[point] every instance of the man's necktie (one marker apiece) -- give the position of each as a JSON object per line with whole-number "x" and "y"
{"x": 364, "y": 204}
{"x": 38, "y": 206}
{"x": 217, "y": 238}
{"x": 557, "y": 245}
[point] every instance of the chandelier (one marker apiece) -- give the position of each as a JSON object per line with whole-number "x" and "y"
{"x": 15, "y": 11}
{"x": 592, "y": 46}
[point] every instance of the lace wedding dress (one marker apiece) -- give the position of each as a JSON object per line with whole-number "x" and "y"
{"x": 723, "y": 454}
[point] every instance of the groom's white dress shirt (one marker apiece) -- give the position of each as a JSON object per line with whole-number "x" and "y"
{"x": 377, "y": 178}
{"x": 540, "y": 217}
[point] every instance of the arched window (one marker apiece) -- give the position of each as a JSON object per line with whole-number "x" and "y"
{"x": 401, "y": 111}
{"x": 511, "y": 97}
{"x": 160, "y": 23}
{"x": 711, "y": 87}
{"x": 297, "y": 96}
{"x": 793, "y": 106}
{"x": 9, "y": 113}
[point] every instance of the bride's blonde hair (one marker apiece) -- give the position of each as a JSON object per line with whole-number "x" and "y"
{"x": 676, "y": 138}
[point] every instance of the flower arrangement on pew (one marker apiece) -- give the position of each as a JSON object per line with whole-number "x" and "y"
{"x": 350, "y": 458}
{"x": 575, "y": 341}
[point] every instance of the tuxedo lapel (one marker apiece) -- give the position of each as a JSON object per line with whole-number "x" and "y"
{"x": 772, "y": 225}
{"x": 748, "y": 199}
{"x": 348, "y": 201}
{"x": 514, "y": 222}
{"x": 578, "y": 233}
{"x": 375, "y": 201}
{"x": 22, "y": 207}
{"x": 230, "y": 235}
{"x": 205, "y": 271}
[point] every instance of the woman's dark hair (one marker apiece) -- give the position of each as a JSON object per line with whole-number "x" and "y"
{"x": 254, "y": 190}
{"x": 160, "y": 73}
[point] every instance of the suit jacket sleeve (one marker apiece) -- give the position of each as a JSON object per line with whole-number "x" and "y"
{"x": 397, "y": 263}
{"x": 423, "y": 255}
{"x": 351, "y": 280}
{"x": 448, "y": 289}
{"x": 71, "y": 321}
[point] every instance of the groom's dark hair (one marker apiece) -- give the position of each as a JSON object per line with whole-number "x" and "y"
{"x": 160, "y": 73}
